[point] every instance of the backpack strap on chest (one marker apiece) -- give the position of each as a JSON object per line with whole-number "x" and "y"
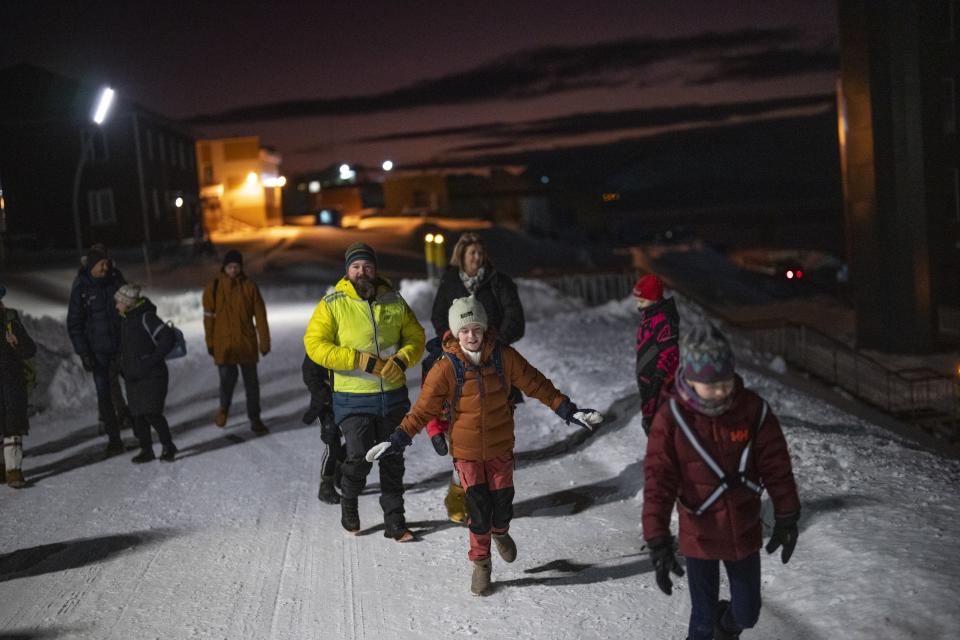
{"x": 727, "y": 481}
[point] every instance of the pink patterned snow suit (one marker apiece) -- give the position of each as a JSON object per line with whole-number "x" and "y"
{"x": 657, "y": 354}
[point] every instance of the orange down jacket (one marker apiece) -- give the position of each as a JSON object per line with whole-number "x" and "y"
{"x": 228, "y": 320}
{"x": 482, "y": 426}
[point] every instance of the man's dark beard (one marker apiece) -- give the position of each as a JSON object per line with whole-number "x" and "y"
{"x": 365, "y": 287}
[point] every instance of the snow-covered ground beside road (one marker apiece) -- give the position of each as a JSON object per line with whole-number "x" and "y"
{"x": 230, "y": 541}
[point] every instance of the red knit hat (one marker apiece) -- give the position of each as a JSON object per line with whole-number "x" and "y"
{"x": 649, "y": 287}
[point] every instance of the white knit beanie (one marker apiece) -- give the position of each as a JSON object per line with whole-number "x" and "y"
{"x": 128, "y": 294}
{"x": 466, "y": 311}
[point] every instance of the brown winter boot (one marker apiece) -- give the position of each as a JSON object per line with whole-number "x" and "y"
{"x": 456, "y": 503}
{"x": 257, "y": 426}
{"x": 15, "y": 478}
{"x": 480, "y": 581}
{"x": 220, "y": 419}
{"x": 506, "y": 547}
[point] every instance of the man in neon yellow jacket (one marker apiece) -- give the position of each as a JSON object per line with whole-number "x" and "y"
{"x": 367, "y": 335}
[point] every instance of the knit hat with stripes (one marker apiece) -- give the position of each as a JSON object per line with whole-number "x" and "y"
{"x": 705, "y": 354}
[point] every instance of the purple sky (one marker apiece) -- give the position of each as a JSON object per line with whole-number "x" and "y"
{"x": 351, "y": 81}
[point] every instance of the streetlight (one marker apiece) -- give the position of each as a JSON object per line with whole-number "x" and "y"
{"x": 104, "y": 102}
{"x": 387, "y": 165}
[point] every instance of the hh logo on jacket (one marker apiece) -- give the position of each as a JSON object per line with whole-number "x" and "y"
{"x": 740, "y": 436}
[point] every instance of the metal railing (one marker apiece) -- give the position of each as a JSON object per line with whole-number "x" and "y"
{"x": 919, "y": 395}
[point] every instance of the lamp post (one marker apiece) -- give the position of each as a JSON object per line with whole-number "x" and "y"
{"x": 104, "y": 102}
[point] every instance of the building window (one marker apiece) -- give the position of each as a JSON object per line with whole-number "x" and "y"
{"x": 207, "y": 174}
{"x": 100, "y": 202}
{"x": 949, "y": 105}
{"x": 95, "y": 142}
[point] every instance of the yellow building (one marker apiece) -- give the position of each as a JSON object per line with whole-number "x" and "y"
{"x": 240, "y": 183}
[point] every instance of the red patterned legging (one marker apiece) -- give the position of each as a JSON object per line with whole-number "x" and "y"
{"x": 489, "y": 488}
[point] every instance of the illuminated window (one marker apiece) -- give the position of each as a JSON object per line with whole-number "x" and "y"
{"x": 100, "y": 202}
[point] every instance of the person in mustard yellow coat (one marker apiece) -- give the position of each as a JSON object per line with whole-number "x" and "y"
{"x": 368, "y": 336}
{"x": 236, "y": 330}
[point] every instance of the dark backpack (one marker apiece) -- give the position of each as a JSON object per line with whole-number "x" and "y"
{"x": 179, "y": 342}
{"x": 459, "y": 372}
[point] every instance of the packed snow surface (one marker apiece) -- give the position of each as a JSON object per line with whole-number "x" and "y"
{"x": 230, "y": 541}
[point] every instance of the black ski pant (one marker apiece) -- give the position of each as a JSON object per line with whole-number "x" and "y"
{"x": 111, "y": 405}
{"x": 141, "y": 428}
{"x": 251, "y": 385}
{"x": 331, "y": 460}
{"x": 360, "y": 433}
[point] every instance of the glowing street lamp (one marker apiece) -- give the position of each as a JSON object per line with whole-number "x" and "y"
{"x": 178, "y": 203}
{"x": 387, "y": 165}
{"x": 100, "y": 113}
{"x": 434, "y": 254}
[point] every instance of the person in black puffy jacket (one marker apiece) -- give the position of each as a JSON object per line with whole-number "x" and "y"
{"x": 94, "y": 328}
{"x": 145, "y": 342}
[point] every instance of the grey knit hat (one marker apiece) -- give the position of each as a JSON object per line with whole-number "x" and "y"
{"x": 705, "y": 354}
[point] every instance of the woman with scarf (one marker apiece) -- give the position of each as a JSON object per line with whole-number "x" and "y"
{"x": 472, "y": 274}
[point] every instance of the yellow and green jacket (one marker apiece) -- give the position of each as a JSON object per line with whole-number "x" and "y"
{"x": 344, "y": 324}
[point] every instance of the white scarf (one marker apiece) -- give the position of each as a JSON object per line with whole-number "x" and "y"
{"x": 471, "y": 282}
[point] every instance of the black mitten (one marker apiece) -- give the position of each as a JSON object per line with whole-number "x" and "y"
{"x": 439, "y": 442}
{"x": 784, "y": 535}
{"x": 329, "y": 431}
{"x": 664, "y": 562}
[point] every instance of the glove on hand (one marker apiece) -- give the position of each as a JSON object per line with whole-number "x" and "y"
{"x": 393, "y": 370}
{"x": 588, "y": 419}
{"x": 784, "y": 534}
{"x": 395, "y": 444}
{"x": 309, "y": 416}
{"x": 368, "y": 362}
{"x": 87, "y": 361}
{"x": 664, "y": 561}
{"x": 436, "y": 429}
{"x": 329, "y": 431}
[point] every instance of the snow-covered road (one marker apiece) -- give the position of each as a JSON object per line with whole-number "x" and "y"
{"x": 230, "y": 541}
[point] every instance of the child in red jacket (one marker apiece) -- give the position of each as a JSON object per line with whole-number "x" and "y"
{"x": 713, "y": 448}
{"x": 657, "y": 352}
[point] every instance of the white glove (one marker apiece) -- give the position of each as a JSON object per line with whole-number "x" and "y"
{"x": 588, "y": 418}
{"x": 376, "y": 451}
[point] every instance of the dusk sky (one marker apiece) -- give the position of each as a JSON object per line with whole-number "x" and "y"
{"x": 327, "y": 82}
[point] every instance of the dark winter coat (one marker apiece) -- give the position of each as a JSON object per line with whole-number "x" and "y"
{"x": 142, "y": 360}
{"x": 483, "y": 427}
{"x": 230, "y": 306}
{"x": 13, "y": 381}
{"x": 92, "y": 319}
{"x": 657, "y": 353}
{"x": 675, "y": 473}
{"x": 317, "y": 380}
{"x": 496, "y": 292}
